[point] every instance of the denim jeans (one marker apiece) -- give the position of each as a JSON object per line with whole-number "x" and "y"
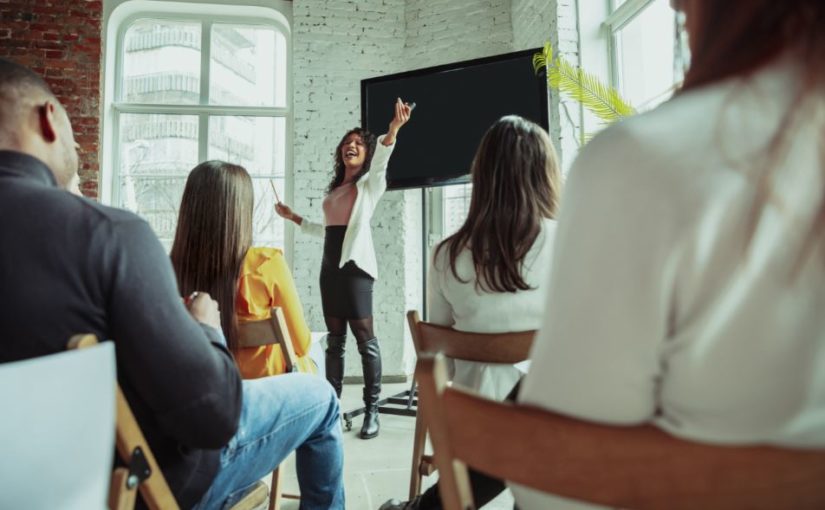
{"x": 280, "y": 414}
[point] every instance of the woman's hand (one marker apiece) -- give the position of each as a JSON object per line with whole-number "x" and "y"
{"x": 204, "y": 309}
{"x": 286, "y": 213}
{"x": 402, "y": 115}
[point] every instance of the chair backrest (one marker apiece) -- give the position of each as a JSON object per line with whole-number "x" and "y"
{"x": 482, "y": 347}
{"x": 509, "y": 348}
{"x": 134, "y": 451}
{"x": 269, "y": 331}
{"x": 633, "y": 467}
{"x": 57, "y": 430}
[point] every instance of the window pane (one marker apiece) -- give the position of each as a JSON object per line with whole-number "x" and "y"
{"x": 156, "y": 154}
{"x": 456, "y": 206}
{"x": 645, "y": 52}
{"x": 161, "y": 63}
{"x": 247, "y": 66}
{"x": 268, "y": 226}
{"x": 259, "y": 145}
{"x": 256, "y": 143}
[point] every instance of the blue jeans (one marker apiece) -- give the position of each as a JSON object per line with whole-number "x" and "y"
{"x": 281, "y": 414}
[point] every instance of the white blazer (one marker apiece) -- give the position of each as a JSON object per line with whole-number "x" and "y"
{"x": 457, "y": 303}
{"x": 358, "y": 246}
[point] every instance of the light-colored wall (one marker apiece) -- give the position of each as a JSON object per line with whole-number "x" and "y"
{"x": 445, "y": 31}
{"x": 535, "y": 22}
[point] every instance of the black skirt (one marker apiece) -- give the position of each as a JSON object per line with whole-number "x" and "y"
{"x": 346, "y": 292}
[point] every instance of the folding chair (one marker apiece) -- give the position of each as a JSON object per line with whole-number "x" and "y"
{"x": 630, "y": 467}
{"x": 141, "y": 471}
{"x": 507, "y": 348}
{"x": 265, "y": 332}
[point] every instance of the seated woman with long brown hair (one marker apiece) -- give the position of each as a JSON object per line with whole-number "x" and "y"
{"x": 212, "y": 251}
{"x": 490, "y": 276}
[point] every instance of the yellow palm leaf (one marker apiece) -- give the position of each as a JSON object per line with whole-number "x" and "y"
{"x": 604, "y": 101}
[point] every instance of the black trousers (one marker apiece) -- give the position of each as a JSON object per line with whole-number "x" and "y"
{"x": 484, "y": 488}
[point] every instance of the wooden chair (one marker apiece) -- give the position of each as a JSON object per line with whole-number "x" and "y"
{"x": 632, "y": 467}
{"x": 429, "y": 338}
{"x": 266, "y": 332}
{"x": 141, "y": 471}
{"x": 269, "y": 331}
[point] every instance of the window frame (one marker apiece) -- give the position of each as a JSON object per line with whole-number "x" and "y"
{"x": 203, "y": 110}
{"x": 617, "y": 19}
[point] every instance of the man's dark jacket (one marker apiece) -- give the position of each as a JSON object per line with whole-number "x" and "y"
{"x": 69, "y": 265}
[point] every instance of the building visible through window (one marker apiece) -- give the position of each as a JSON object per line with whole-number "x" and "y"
{"x": 192, "y": 90}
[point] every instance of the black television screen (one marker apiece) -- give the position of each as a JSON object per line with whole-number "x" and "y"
{"x": 455, "y": 104}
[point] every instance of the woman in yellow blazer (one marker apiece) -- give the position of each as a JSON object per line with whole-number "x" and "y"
{"x": 212, "y": 252}
{"x": 266, "y": 282}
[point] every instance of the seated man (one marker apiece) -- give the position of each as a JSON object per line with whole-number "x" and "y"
{"x": 69, "y": 265}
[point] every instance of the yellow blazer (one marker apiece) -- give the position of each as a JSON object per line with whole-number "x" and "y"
{"x": 265, "y": 282}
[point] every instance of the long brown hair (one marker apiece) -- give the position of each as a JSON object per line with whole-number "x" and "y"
{"x": 213, "y": 235}
{"x": 516, "y": 185}
{"x": 340, "y": 169}
{"x": 736, "y": 39}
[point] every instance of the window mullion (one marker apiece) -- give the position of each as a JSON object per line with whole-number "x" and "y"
{"x": 203, "y": 118}
{"x": 203, "y": 136}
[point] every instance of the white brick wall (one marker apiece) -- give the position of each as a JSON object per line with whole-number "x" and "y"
{"x": 444, "y": 31}
{"x": 569, "y": 111}
{"x": 337, "y": 43}
{"x": 534, "y": 23}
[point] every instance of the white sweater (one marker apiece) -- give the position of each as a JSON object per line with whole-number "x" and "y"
{"x": 657, "y": 312}
{"x": 461, "y": 306}
{"x": 358, "y": 246}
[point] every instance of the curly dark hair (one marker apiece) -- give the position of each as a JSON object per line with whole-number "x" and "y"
{"x": 340, "y": 169}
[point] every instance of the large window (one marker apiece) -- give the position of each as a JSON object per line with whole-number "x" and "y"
{"x": 646, "y": 50}
{"x": 189, "y": 89}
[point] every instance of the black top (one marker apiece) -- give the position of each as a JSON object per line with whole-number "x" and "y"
{"x": 69, "y": 265}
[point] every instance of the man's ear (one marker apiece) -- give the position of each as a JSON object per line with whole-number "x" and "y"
{"x": 47, "y": 116}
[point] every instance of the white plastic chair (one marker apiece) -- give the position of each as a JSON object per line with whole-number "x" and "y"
{"x": 57, "y": 431}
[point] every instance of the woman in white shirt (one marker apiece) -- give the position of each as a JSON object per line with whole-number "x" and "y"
{"x": 688, "y": 282}
{"x": 349, "y": 268}
{"x": 489, "y": 276}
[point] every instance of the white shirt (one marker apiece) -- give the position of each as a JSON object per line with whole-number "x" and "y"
{"x": 657, "y": 311}
{"x": 463, "y": 307}
{"x": 358, "y": 246}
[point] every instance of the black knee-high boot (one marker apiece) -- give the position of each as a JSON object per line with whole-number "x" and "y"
{"x": 335, "y": 361}
{"x": 371, "y": 363}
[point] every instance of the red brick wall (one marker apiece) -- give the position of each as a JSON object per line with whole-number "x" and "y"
{"x": 60, "y": 40}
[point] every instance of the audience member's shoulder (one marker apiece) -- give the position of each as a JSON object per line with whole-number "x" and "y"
{"x": 99, "y": 211}
{"x": 266, "y": 252}
{"x": 261, "y": 259}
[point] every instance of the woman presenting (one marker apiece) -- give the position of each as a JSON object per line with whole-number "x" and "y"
{"x": 349, "y": 268}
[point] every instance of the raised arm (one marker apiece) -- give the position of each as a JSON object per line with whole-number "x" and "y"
{"x": 402, "y": 115}
{"x": 376, "y": 179}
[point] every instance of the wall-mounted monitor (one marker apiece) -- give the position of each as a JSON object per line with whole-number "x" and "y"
{"x": 455, "y": 104}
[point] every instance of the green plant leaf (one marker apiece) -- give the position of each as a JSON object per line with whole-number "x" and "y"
{"x": 603, "y": 100}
